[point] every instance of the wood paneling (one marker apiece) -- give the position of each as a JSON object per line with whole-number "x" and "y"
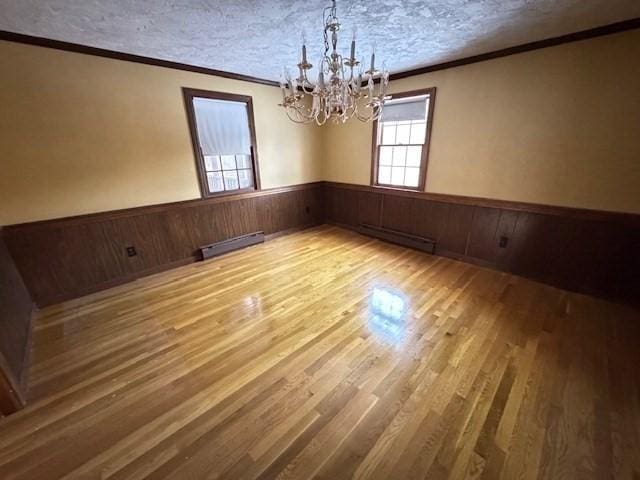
{"x": 582, "y": 250}
{"x": 586, "y": 251}
{"x": 455, "y": 238}
{"x": 11, "y": 395}
{"x": 585, "y": 214}
{"x": 66, "y": 258}
{"x": 482, "y": 233}
{"x": 15, "y": 327}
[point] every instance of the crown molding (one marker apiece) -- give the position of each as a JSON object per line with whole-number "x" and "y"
{"x": 127, "y": 57}
{"x": 526, "y": 47}
{"x": 612, "y": 28}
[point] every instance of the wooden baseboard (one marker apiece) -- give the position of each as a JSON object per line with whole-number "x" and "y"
{"x": 438, "y": 252}
{"x": 11, "y": 398}
{"x": 70, "y": 257}
{"x": 467, "y": 259}
{"x": 26, "y": 362}
{"x": 153, "y": 271}
{"x": 586, "y": 251}
{"x": 289, "y": 231}
{"x": 48, "y": 301}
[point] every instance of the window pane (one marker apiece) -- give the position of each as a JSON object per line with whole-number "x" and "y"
{"x": 212, "y": 162}
{"x": 244, "y": 161}
{"x": 222, "y": 125}
{"x": 418, "y": 131}
{"x": 230, "y": 179}
{"x": 214, "y": 179}
{"x": 384, "y": 175}
{"x": 246, "y": 178}
{"x": 413, "y": 156}
{"x": 228, "y": 162}
{"x": 402, "y": 134}
{"x": 385, "y": 155}
{"x": 397, "y": 175}
{"x": 405, "y": 109}
{"x": 412, "y": 177}
{"x": 399, "y": 155}
{"x": 388, "y": 134}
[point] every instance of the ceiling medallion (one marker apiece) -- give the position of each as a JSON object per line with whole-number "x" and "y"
{"x": 343, "y": 89}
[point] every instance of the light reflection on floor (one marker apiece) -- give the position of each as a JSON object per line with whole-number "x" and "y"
{"x": 252, "y": 306}
{"x": 387, "y": 315}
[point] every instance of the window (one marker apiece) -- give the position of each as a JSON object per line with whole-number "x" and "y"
{"x": 223, "y": 141}
{"x": 401, "y": 140}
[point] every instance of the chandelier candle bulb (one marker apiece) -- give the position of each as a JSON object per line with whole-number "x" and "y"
{"x": 290, "y": 83}
{"x": 303, "y": 41}
{"x": 283, "y": 85}
{"x": 353, "y": 45}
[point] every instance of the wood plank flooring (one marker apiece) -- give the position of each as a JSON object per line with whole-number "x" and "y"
{"x": 325, "y": 354}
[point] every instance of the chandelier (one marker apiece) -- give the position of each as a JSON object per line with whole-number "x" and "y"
{"x": 343, "y": 89}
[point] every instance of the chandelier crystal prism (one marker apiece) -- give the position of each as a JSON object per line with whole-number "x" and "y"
{"x": 343, "y": 89}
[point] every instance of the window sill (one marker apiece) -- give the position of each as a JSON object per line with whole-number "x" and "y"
{"x": 395, "y": 187}
{"x": 228, "y": 193}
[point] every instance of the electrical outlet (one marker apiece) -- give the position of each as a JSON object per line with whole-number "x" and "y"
{"x": 503, "y": 242}
{"x": 131, "y": 251}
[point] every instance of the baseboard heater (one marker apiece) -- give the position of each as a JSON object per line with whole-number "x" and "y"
{"x": 405, "y": 239}
{"x": 230, "y": 245}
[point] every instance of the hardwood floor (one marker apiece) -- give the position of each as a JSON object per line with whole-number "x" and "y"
{"x": 325, "y": 354}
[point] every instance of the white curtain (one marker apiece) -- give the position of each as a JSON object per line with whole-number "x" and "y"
{"x": 403, "y": 110}
{"x": 223, "y": 126}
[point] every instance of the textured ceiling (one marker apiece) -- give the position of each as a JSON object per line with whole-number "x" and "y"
{"x": 257, "y": 38}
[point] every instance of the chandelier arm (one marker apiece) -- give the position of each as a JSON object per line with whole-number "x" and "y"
{"x": 365, "y": 119}
{"x": 321, "y": 122}
{"x": 303, "y": 111}
{"x": 302, "y": 120}
{"x": 374, "y": 115}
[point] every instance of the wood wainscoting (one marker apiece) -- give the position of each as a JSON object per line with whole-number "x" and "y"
{"x": 16, "y": 308}
{"x": 586, "y": 251}
{"x": 66, "y": 258}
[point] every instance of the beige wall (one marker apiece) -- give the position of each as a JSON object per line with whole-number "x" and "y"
{"x": 557, "y": 126}
{"x": 81, "y": 134}
{"x": 560, "y": 126}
